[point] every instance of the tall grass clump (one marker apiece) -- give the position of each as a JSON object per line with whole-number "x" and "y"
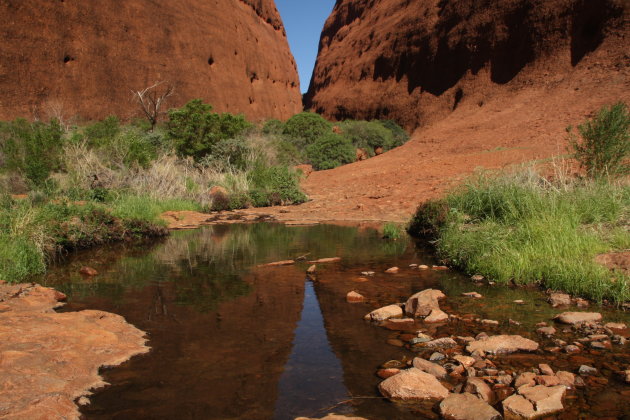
{"x": 526, "y": 228}
{"x": 603, "y": 146}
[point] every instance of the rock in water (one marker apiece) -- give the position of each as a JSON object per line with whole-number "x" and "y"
{"x": 386, "y": 312}
{"x": 413, "y": 385}
{"x": 578, "y": 317}
{"x": 392, "y": 270}
{"x": 232, "y": 54}
{"x": 430, "y": 367}
{"x": 467, "y": 407}
{"x": 88, "y": 271}
{"x": 559, "y": 299}
{"x": 422, "y": 303}
{"x": 501, "y": 344}
{"x": 354, "y": 297}
{"x": 534, "y": 402}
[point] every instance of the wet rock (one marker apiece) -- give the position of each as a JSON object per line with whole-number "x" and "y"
{"x": 503, "y": 393}
{"x": 465, "y": 340}
{"x": 534, "y": 402}
{"x": 546, "y": 331}
{"x": 490, "y": 322}
{"x": 559, "y": 299}
{"x": 326, "y": 260}
{"x": 626, "y": 376}
{"x": 393, "y": 364}
{"x": 439, "y": 267}
{"x": 545, "y": 369}
{"x": 566, "y": 378}
{"x": 392, "y": 270}
{"x": 600, "y": 345}
{"x": 547, "y": 380}
{"x": 421, "y": 338}
{"x": 387, "y": 373}
{"x": 525, "y": 379}
{"x": 619, "y": 339}
{"x": 384, "y": 313}
{"x": 477, "y": 278}
{"x": 354, "y": 297}
{"x": 429, "y": 367}
{"x": 467, "y": 407}
{"x": 367, "y": 273}
{"x": 278, "y": 263}
{"x": 395, "y": 342}
{"x": 413, "y": 385}
{"x": 480, "y": 388}
{"x": 504, "y": 379}
{"x": 422, "y": 303}
{"x": 400, "y": 322}
{"x": 519, "y": 301}
{"x": 436, "y": 316}
{"x": 423, "y": 267}
{"x": 312, "y": 269}
{"x": 513, "y": 322}
{"x": 88, "y": 271}
{"x": 332, "y": 417}
{"x": 578, "y": 317}
{"x": 440, "y": 343}
{"x": 436, "y": 357}
{"x": 582, "y": 303}
{"x": 501, "y": 344}
{"x": 587, "y": 370}
{"x": 465, "y": 361}
{"x": 571, "y": 348}
{"x": 472, "y": 295}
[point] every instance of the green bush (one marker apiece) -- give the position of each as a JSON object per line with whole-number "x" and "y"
{"x": 400, "y": 136}
{"x": 604, "y": 147}
{"x": 195, "y": 129}
{"x": 273, "y": 126}
{"x": 304, "y": 128}
{"x": 367, "y": 135}
{"x": 231, "y": 153}
{"x": 275, "y": 185}
{"x": 330, "y": 151}
{"x": 33, "y": 149}
{"x": 102, "y": 131}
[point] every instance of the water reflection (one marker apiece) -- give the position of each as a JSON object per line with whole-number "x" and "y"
{"x": 313, "y": 378}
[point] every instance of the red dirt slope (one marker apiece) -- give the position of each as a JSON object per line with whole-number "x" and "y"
{"x": 82, "y": 58}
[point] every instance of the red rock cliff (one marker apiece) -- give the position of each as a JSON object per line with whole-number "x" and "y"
{"x": 417, "y": 60}
{"x": 82, "y": 58}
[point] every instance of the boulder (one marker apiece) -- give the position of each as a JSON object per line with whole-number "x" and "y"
{"x": 467, "y": 407}
{"x": 616, "y": 325}
{"x": 480, "y": 388}
{"x": 430, "y": 367}
{"x": 525, "y": 379}
{"x": 354, "y": 297}
{"x": 566, "y": 378}
{"x": 413, "y": 385}
{"x": 422, "y": 303}
{"x": 465, "y": 361}
{"x": 502, "y": 344}
{"x": 437, "y": 315}
{"x": 559, "y": 299}
{"x": 578, "y": 317}
{"x": 534, "y": 402}
{"x": 386, "y": 312}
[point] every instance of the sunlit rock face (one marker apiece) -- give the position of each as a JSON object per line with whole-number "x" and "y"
{"x": 81, "y": 60}
{"x": 417, "y": 61}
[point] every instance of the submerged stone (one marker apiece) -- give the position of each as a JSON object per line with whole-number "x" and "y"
{"x": 578, "y": 317}
{"x": 384, "y": 313}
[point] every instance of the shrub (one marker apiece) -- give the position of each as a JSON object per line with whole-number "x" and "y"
{"x": 273, "y": 126}
{"x": 304, "y": 128}
{"x": 229, "y": 153}
{"x": 391, "y": 231}
{"x": 399, "y": 135}
{"x": 195, "y": 129}
{"x": 102, "y": 131}
{"x": 367, "y": 135}
{"x": 605, "y": 143}
{"x": 275, "y": 185}
{"x": 330, "y": 151}
{"x": 34, "y": 149}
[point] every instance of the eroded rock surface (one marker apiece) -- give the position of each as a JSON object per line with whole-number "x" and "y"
{"x": 67, "y": 59}
{"x": 48, "y": 359}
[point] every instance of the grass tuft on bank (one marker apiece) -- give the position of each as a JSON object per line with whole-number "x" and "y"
{"x": 527, "y": 228}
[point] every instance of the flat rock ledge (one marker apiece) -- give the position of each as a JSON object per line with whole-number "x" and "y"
{"x": 467, "y": 407}
{"x": 502, "y": 344}
{"x": 49, "y": 360}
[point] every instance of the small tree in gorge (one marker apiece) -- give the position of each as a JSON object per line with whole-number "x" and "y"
{"x": 151, "y": 100}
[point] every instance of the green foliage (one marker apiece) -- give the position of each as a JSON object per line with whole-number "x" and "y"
{"x": 604, "y": 147}
{"x": 195, "y": 129}
{"x": 305, "y": 128}
{"x": 330, "y": 151}
{"x": 33, "y": 149}
{"x": 392, "y": 231}
{"x": 102, "y": 131}
{"x": 229, "y": 153}
{"x": 273, "y": 126}
{"x": 526, "y": 229}
{"x": 367, "y": 135}
{"x": 399, "y": 135}
{"x": 275, "y": 185}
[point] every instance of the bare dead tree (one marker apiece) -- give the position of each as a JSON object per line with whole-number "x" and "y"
{"x": 151, "y": 100}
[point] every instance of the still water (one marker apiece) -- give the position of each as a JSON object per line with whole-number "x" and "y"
{"x": 232, "y": 339}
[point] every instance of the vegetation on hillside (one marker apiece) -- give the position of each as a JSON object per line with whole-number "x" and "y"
{"x": 526, "y": 228}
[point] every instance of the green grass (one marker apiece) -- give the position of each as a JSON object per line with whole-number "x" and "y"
{"x": 527, "y": 229}
{"x": 392, "y": 231}
{"x": 149, "y": 209}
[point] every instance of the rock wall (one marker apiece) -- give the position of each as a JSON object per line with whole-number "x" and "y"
{"x": 81, "y": 59}
{"x": 416, "y": 61}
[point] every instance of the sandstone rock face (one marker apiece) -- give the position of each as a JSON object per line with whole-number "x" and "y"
{"x": 417, "y": 61}
{"x": 499, "y": 344}
{"x": 82, "y": 59}
{"x": 467, "y": 407}
{"x": 413, "y": 385}
{"x": 51, "y": 359}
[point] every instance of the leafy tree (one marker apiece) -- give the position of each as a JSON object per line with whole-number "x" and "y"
{"x": 304, "y": 128}
{"x": 330, "y": 151}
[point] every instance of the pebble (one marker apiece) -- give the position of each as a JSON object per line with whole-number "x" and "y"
{"x": 489, "y": 322}
{"x": 392, "y": 270}
{"x": 477, "y": 277}
{"x": 423, "y": 267}
{"x": 472, "y": 295}
{"x": 435, "y": 357}
{"x": 546, "y": 330}
{"x": 519, "y": 302}
{"x": 587, "y": 370}
{"x": 367, "y": 273}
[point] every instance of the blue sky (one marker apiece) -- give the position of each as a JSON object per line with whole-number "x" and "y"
{"x": 304, "y": 21}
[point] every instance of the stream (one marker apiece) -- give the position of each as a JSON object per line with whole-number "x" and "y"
{"x": 232, "y": 339}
